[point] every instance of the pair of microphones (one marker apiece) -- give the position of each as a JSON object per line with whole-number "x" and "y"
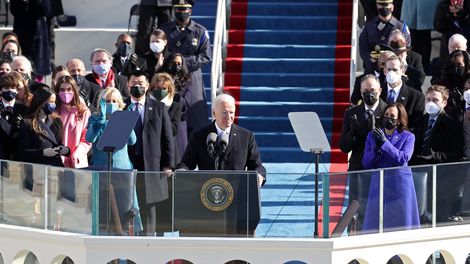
{"x": 217, "y": 142}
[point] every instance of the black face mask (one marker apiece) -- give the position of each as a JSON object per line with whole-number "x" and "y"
{"x": 78, "y": 79}
{"x": 124, "y": 49}
{"x": 8, "y": 56}
{"x": 389, "y": 123}
{"x": 137, "y": 91}
{"x": 370, "y": 98}
{"x": 459, "y": 71}
{"x": 174, "y": 69}
{"x": 182, "y": 17}
{"x": 384, "y": 11}
{"x": 9, "y": 95}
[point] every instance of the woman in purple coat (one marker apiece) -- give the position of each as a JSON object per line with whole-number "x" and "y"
{"x": 391, "y": 146}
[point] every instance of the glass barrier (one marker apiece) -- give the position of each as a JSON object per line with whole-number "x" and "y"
{"x": 22, "y": 200}
{"x": 228, "y": 203}
{"x": 403, "y": 198}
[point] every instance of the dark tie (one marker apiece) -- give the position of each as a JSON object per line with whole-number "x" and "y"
{"x": 426, "y": 148}
{"x": 138, "y": 132}
{"x": 391, "y": 96}
{"x": 370, "y": 119}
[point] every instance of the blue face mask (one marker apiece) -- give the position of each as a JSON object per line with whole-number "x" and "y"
{"x": 49, "y": 108}
{"x": 101, "y": 69}
{"x": 111, "y": 108}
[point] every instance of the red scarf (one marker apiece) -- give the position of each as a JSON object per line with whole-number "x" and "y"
{"x": 109, "y": 79}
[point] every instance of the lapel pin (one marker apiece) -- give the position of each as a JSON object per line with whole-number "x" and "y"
{"x": 402, "y": 98}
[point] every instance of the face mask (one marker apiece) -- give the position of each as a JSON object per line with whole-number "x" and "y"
{"x": 26, "y": 76}
{"x": 49, "y": 108}
{"x": 459, "y": 71}
{"x": 157, "y": 47}
{"x": 101, "y": 69}
{"x": 384, "y": 11}
{"x": 392, "y": 77}
{"x": 124, "y": 49}
{"x": 8, "y": 56}
{"x": 389, "y": 123}
{"x": 137, "y": 91}
{"x": 370, "y": 98}
{"x": 182, "y": 17}
{"x": 9, "y": 95}
{"x": 466, "y": 96}
{"x": 432, "y": 108}
{"x": 111, "y": 108}
{"x": 159, "y": 94}
{"x": 174, "y": 69}
{"x": 78, "y": 79}
{"x": 66, "y": 97}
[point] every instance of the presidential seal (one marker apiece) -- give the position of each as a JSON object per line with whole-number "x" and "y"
{"x": 216, "y": 194}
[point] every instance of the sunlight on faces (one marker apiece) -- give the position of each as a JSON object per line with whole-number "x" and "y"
{"x": 100, "y": 58}
{"x": 20, "y": 66}
{"x": 436, "y": 97}
{"x": 393, "y": 65}
{"x": 52, "y": 99}
{"x": 224, "y": 113}
{"x": 370, "y": 85}
{"x": 76, "y": 67}
{"x": 178, "y": 60}
{"x": 11, "y": 47}
{"x": 66, "y": 87}
{"x": 392, "y": 112}
{"x": 60, "y": 75}
{"x": 155, "y": 39}
{"x": 459, "y": 61}
{"x": 5, "y": 68}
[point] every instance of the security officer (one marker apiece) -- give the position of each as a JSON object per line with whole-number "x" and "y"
{"x": 377, "y": 30}
{"x": 190, "y": 39}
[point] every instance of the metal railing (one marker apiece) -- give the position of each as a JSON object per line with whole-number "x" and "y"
{"x": 219, "y": 47}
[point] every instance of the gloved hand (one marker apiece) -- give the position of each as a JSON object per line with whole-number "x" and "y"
{"x": 354, "y": 125}
{"x": 83, "y": 94}
{"x": 49, "y": 152}
{"x": 379, "y": 136}
{"x": 17, "y": 120}
{"x": 426, "y": 157}
{"x": 103, "y": 109}
{"x": 133, "y": 59}
{"x": 63, "y": 150}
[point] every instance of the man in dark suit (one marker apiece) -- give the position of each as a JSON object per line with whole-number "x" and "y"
{"x": 399, "y": 92}
{"x": 241, "y": 152}
{"x": 87, "y": 90}
{"x": 103, "y": 75}
{"x": 125, "y": 61}
{"x": 357, "y": 123}
{"x": 439, "y": 139}
{"x": 153, "y": 150}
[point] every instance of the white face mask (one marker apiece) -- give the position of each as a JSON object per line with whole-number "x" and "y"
{"x": 432, "y": 108}
{"x": 393, "y": 77}
{"x": 157, "y": 47}
{"x": 466, "y": 96}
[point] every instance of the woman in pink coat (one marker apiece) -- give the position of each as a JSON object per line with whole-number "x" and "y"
{"x": 74, "y": 115}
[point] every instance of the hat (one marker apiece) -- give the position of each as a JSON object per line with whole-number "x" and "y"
{"x": 384, "y": 1}
{"x": 378, "y": 49}
{"x": 398, "y": 46}
{"x": 183, "y": 3}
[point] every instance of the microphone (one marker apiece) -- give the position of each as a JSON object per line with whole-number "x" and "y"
{"x": 222, "y": 141}
{"x": 211, "y": 139}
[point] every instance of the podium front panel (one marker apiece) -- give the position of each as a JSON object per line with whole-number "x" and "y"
{"x": 215, "y": 203}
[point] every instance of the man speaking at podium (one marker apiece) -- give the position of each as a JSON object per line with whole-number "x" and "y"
{"x": 229, "y": 146}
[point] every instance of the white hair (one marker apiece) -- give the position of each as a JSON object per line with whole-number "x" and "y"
{"x": 456, "y": 39}
{"x": 21, "y": 59}
{"x": 222, "y": 98}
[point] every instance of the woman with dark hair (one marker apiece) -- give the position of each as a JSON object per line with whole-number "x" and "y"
{"x": 41, "y": 135}
{"x": 5, "y": 67}
{"x": 175, "y": 66}
{"x": 24, "y": 95}
{"x": 455, "y": 73}
{"x": 9, "y": 50}
{"x": 391, "y": 146}
{"x": 74, "y": 115}
{"x": 157, "y": 54}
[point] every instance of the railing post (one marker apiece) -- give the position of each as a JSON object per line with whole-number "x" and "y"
{"x": 381, "y": 201}
{"x": 434, "y": 198}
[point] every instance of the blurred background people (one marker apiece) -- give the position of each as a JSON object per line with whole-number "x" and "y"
{"x": 9, "y": 50}
{"x": 125, "y": 61}
{"x": 157, "y": 54}
{"x": 87, "y": 90}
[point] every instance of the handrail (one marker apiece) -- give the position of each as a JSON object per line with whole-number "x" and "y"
{"x": 219, "y": 46}
{"x": 353, "y": 67}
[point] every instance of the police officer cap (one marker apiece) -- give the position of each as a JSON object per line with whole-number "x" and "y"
{"x": 183, "y": 3}
{"x": 378, "y": 49}
{"x": 384, "y": 1}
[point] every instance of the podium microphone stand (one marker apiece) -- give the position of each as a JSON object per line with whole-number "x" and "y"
{"x": 312, "y": 138}
{"x": 114, "y": 138}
